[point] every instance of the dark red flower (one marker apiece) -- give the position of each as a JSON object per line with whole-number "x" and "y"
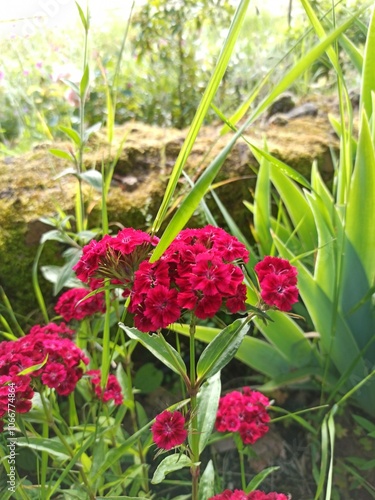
{"x": 277, "y": 280}
{"x": 276, "y": 266}
{"x": 277, "y": 291}
{"x": 169, "y": 431}
{"x": 161, "y": 306}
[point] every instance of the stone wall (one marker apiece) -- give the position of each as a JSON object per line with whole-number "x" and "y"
{"x": 29, "y": 188}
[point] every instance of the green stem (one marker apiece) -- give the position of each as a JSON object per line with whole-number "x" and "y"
{"x": 242, "y": 469}
{"x": 194, "y": 437}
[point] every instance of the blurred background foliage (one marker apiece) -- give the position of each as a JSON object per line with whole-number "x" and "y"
{"x": 169, "y": 54}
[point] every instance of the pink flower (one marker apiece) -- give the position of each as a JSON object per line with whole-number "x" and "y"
{"x": 168, "y": 431}
{"x": 253, "y": 495}
{"x": 53, "y": 375}
{"x": 73, "y": 305}
{"x": 244, "y": 413}
{"x": 111, "y": 391}
{"x": 277, "y": 279}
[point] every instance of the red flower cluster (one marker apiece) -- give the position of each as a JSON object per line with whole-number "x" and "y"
{"x": 112, "y": 390}
{"x": 278, "y": 280}
{"x": 243, "y": 412}
{"x": 70, "y": 307}
{"x": 114, "y": 257}
{"x": 61, "y": 330}
{"x": 169, "y": 431}
{"x": 198, "y": 272}
{"x": 62, "y": 370}
{"x": 254, "y": 495}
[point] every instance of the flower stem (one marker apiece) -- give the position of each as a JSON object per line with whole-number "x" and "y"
{"x": 194, "y": 436}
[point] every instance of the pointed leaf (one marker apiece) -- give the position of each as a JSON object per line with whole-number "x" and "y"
{"x": 368, "y": 77}
{"x": 203, "y": 108}
{"x": 222, "y": 349}
{"x": 170, "y": 464}
{"x": 157, "y": 345}
{"x": 61, "y": 154}
{"x": 208, "y": 402}
{"x": 207, "y": 482}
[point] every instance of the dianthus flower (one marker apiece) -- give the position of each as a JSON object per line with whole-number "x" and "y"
{"x": 169, "y": 431}
{"x": 112, "y": 389}
{"x": 243, "y": 412}
{"x": 63, "y": 367}
{"x": 254, "y": 495}
{"x": 114, "y": 257}
{"x": 199, "y": 272}
{"x": 21, "y": 390}
{"x": 277, "y": 280}
{"x": 62, "y": 330}
{"x": 73, "y": 305}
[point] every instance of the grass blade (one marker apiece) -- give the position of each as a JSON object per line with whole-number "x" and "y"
{"x": 202, "y": 110}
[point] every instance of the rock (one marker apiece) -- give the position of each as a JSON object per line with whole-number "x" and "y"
{"x": 306, "y": 109}
{"x": 283, "y": 104}
{"x": 29, "y": 188}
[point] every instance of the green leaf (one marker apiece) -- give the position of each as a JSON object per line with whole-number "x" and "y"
{"x": 148, "y": 378}
{"x": 72, "y": 134}
{"x": 222, "y": 349}
{"x": 208, "y": 402}
{"x": 61, "y": 154}
{"x": 170, "y": 464}
{"x": 50, "y": 446}
{"x": 84, "y": 20}
{"x": 283, "y": 167}
{"x": 368, "y": 77}
{"x": 84, "y": 84}
{"x": 360, "y": 213}
{"x": 157, "y": 345}
{"x": 262, "y": 209}
{"x": 55, "y": 235}
{"x": 33, "y": 368}
{"x": 203, "y": 108}
{"x": 207, "y": 482}
{"x": 92, "y": 177}
{"x": 259, "y": 478}
{"x": 72, "y": 85}
{"x": 253, "y": 352}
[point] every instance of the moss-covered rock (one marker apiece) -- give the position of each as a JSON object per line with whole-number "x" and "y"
{"x": 29, "y": 188}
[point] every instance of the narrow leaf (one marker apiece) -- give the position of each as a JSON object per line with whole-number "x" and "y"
{"x": 222, "y": 349}
{"x": 170, "y": 464}
{"x": 203, "y": 107}
{"x": 208, "y": 402}
{"x": 157, "y": 345}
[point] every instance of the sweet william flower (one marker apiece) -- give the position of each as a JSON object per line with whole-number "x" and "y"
{"x": 277, "y": 291}
{"x": 243, "y": 412}
{"x": 73, "y": 305}
{"x": 276, "y": 265}
{"x": 277, "y": 280}
{"x": 169, "y": 431}
{"x": 253, "y": 495}
{"x": 161, "y": 306}
{"x": 111, "y": 391}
